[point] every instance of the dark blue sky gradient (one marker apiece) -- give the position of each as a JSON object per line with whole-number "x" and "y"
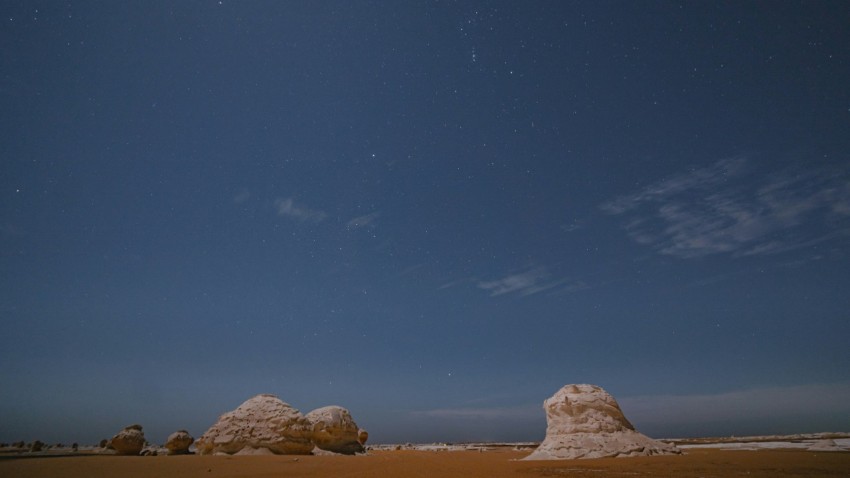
{"x": 433, "y": 213}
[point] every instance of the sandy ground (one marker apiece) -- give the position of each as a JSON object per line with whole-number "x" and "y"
{"x": 409, "y": 464}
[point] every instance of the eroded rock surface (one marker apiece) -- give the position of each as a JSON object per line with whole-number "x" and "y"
{"x": 334, "y": 430}
{"x": 263, "y": 421}
{"x": 129, "y": 441}
{"x": 584, "y": 421}
{"x": 178, "y": 442}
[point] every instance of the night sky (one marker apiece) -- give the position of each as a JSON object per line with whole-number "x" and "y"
{"x": 433, "y": 213}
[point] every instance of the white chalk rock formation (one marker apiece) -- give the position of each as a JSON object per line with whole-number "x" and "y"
{"x": 334, "y": 430}
{"x": 129, "y": 441}
{"x": 825, "y": 445}
{"x": 178, "y": 442}
{"x": 584, "y": 421}
{"x": 263, "y": 421}
{"x": 251, "y": 451}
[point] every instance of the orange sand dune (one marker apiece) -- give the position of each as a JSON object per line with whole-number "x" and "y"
{"x": 410, "y": 464}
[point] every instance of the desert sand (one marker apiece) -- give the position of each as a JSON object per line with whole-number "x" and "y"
{"x": 408, "y": 464}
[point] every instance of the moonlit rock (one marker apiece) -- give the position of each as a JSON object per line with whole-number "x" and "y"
{"x": 334, "y": 430}
{"x": 584, "y": 421}
{"x": 251, "y": 451}
{"x": 149, "y": 451}
{"x": 263, "y": 421}
{"x": 129, "y": 441}
{"x": 825, "y": 445}
{"x": 178, "y": 442}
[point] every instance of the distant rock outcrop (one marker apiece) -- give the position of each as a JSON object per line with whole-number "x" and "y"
{"x": 825, "y": 445}
{"x": 129, "y": 441}
{"x": 263, "y": 421}
{"x": 149, "y": 451}
{"x": 584, "y": 421}
{"x": 178, "y": 442}
{"x": 334, "y": 430}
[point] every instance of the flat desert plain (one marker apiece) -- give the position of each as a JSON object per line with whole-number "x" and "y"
{"x": 409, "y": 463}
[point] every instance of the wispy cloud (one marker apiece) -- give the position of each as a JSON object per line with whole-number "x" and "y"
{"x": 242, "y": 197}
{"x": 696, "y": 178}
{"x": 524, "y": 283}
{"x": 531, "y": 411}
{"x": 802, "y": 403}
{"x": 785, "y": 409}
{"x": 362, "y": 221}
{"x": 570, "y": 286}
{"x": 288, "y": 208}
{"x": 465, "y": 280}
{"x": 729, "y": 208}
{"x": 575, "y": 225}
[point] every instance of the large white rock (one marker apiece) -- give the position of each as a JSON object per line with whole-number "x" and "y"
{"x": 263, "y": 421}
{"x": 584, "y": 421}
{"x": 129, "y": 441}
{"x": 334, "y": 430}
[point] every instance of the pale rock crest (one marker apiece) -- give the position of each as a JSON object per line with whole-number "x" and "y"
{"x": 261, "y": 422}
{"x": 584, "y": 421}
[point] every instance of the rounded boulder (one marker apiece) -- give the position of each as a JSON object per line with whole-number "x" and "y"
{"x": 263, "y": 421}
{"x": 334, "y": 430}
{"x": 129, "y": 441}
{"x": 178, "y": 442}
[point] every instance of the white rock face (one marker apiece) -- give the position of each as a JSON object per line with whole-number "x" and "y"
{"x": 129, "y": 441}
{"x": 251, "y": 451}
{"x": 263, "y": 421}
{"x": 334, "y": 430}
{"x": 584, "y": 421}
{"x": 178, "y": 442}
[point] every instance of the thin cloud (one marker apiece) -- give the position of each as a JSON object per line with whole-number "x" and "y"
{"x": 531, "y": 411}
{"x": 242, "y": 197}
{"x": 572, "y": 286}
{"x": 288, "y": 208}
{"x": 727, "y": 209}
{"x": 362, "y": 221}
{"x": 696, "y": 178}
{"x": 454, "y": 283}
{"x": 525, "y": 283}
{"x": 765, "y": 404}
{"x": 573, "y": 226}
